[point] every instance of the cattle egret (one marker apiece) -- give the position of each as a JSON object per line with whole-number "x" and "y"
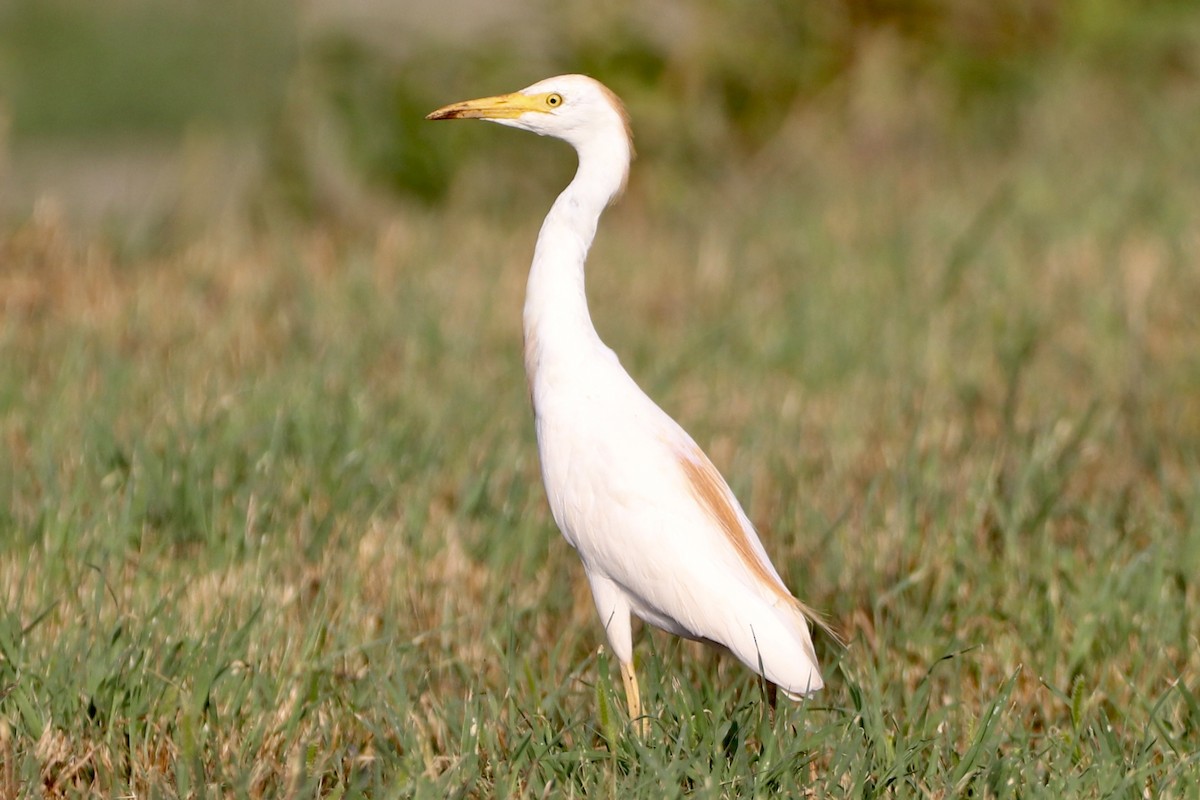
{"x": 660, "y": 534}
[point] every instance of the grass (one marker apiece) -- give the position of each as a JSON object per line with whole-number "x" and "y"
{"x": 273, "y": 525}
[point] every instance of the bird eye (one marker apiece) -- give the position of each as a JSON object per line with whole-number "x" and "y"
{"x": 554, "y": 100}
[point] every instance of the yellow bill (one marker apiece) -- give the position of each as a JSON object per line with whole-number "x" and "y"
{"x": 502, "y": 106}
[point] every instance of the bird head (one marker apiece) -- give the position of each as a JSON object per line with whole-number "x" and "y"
{"x": 574, "y": 108}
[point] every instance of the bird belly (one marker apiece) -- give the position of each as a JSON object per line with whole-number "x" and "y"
{"x": 606, "y": 471}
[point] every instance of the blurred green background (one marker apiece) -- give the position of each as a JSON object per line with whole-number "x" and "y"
{"x": 151, "y": 119}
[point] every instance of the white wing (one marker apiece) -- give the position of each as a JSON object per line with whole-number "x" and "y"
{"x": 645, "y": 508}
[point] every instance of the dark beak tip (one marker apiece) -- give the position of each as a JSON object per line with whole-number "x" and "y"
{"x": 445, "y": 112}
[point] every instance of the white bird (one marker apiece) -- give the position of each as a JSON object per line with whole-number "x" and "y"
{"x": 660, "y": 534}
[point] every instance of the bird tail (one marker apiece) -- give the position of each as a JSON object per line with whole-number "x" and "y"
{"x": 783, "y": 652}
{"x": 819, "y": 620}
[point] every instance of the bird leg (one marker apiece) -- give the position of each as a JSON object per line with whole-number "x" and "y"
{"x": 633, "y": 699}
{"x": 772, "y": 699}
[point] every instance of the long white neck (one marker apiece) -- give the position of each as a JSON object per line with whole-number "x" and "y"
{"x": 557, "y": 322}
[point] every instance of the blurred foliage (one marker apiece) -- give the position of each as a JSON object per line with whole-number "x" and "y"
{"x": 356, "y": 101}
{"x": 742, "y": 74}
{"x": 339, "y": 111}
{"x": 384, "y": 120}
{"x": 73, "y": 68}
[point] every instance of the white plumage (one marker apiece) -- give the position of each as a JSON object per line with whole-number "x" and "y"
{"x": 659, "y": 532}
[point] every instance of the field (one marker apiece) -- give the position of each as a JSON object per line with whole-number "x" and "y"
{"x": 271, "y": 519}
